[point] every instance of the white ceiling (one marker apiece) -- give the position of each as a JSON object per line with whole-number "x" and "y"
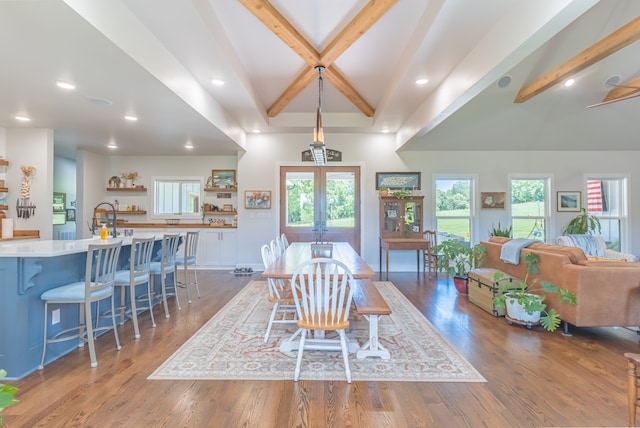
{"x": 156, "y": 59}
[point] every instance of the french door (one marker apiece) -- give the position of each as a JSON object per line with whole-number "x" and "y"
{"x": 320, "y": 204}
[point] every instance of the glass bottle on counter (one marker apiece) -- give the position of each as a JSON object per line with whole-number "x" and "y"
{"x": 104, "y": 232}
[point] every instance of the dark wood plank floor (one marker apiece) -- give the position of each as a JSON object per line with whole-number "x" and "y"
{"x": 534, "y": 378}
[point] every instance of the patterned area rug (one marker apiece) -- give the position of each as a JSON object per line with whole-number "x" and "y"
{"x": 230, "y": 346}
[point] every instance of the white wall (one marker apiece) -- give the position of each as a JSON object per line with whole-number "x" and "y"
{"x": 32, "y": 147}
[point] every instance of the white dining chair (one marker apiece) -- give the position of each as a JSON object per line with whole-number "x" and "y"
{"x": 275, "y": 248}
{"x": 284, "y": 242}
{"x": 96, "y": 286}
{"x": 322, "y": 296}
{"x": 284, "y": 309}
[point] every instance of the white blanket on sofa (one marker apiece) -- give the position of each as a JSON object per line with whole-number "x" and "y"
{"x": 589, "y": 244}
{"x": 510, "y": 252}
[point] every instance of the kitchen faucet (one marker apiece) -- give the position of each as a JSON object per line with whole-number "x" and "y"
{"x": 95, "y": 219}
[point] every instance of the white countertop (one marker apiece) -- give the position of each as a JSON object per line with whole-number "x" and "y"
{"x": 61, "y": 248}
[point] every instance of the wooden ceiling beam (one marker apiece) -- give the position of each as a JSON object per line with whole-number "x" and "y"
{"x": 615, "y": 41}
{"x": 302, "y": 80}
{"x": 349, "y": 91}
{"x": 274, "y": 21}
{"x": 623, "y": 90}
{"x": 271, "y": 18}
{"x": 369, "y": 15}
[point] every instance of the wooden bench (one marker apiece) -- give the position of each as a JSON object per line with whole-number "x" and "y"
{"x": 370, "y": 304}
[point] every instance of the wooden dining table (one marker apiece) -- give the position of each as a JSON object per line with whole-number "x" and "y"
{"x": 368, "y": 301}
{"x": 299, "y": 252}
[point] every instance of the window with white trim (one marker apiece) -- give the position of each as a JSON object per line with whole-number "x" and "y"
{"x": 530, "y": 207}
{"x": 177, "y": 196}
{"x": 607, "y": 200}
{"x": 453, "y": 211}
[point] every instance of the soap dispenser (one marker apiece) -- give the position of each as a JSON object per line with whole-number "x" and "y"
{"x": 104, "y": 232}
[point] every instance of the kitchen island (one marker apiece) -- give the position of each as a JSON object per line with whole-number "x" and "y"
{"x": 27, "y": 269}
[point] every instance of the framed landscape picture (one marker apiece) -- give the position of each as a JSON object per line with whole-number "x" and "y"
{"x": 398, "y": 180}
{"x": 569, "y": 201}
{"x": 257, "y": 199}
{"x": 223, "y": 178}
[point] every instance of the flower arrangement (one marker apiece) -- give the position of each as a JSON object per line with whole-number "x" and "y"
{"x": 133, "y": 175}
{"x": 28, "y": 171}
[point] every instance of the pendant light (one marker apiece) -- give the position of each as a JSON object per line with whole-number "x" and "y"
{"x": 318, "y": 149}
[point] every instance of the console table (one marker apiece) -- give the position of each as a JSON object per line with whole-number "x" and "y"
{"x": 389, "y": 244}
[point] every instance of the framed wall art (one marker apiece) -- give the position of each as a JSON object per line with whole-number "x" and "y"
{"x": 398, "y": 180}
{"x": 257, "y": 199}
{"x": 71, "y": 214}
{"x": 569, "y": 201}
{"x": 492, "y": 200}
{"x": 223, "y": 178}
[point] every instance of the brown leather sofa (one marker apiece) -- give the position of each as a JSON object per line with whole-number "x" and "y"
{"x": 608, "y": 292}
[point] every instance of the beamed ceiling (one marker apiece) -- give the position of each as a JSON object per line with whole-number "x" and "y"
{"x": 156, "y": 60}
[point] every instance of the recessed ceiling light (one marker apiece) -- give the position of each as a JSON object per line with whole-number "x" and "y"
{"x": 65, "y": 85}
{"x": 22, "y": 118}
{"x": 217, "y": 82}
{"x": 188, "y": 145}
{"x": 256, "y": 131}
{"x": 385, "y": 131}
{"x": 422, "y": 81}
{"x": 569, "y": 82}
{"x": 112, "y": 145}
{"x": 131, "y": 118}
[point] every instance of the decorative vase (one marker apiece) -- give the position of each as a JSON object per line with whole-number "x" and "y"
{"x": 128, "y": 183}
{"x": 461, "y": 284}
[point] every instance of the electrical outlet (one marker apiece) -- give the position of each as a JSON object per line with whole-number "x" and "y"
{"x": 55, "y": 317}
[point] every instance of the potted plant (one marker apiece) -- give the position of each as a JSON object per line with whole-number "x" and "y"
{"x": 383, "y": 191}
{"x": 583, "y": 224}
{"x": 498, "y": 231}
{"x": 457, "y": 258}
{"x": 130, "y": 177}
{"x": 7, "y": 395}
{"x": 401, "y": 193}
{"x": 523, "y": 303}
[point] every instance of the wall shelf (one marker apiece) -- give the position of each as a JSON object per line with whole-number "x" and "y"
{"x": 220, "y": 213}
{"x": 4, "y": 162}
{"x": 4, "y": 189}
{"x": 126, "y": 189}
{"x": 131, "y": 212}
{"x": 4, "y": 207}
{"x": 221, "y": 189}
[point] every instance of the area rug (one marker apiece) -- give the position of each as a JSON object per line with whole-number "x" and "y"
{"x": 230, "y": 346}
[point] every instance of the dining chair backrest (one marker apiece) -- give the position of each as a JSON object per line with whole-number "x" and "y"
{"x": 102, "y": 261}
{"x": 275, "y": 249}
{"x": 430, "y": 235}
{"x": 321, "y": 291}
{"x": 284, "y": 241}
{"x": 275, "y": 287}
{"x": 191, "y": 246}
{"x": 169, "y": 249}
{"x": 141, "y": 253}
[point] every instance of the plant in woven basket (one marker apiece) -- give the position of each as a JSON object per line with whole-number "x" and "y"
{"x": 527, "y": 294}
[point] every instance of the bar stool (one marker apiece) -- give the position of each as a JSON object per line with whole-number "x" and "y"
{"x": 632, "y": 386}
{"x": 189, "y": 259}
{"x": 97, "y": 285}
{"x": 137, "y": 274}
{"x": 166, "y": 266}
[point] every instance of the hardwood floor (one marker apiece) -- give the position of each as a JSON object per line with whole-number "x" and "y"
{"x": 534, "y": 378}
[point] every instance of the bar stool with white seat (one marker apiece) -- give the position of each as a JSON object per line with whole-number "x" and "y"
{"x": 97, "y": 285}
{"x": 137, "y": 274}
{"x": 189, "y": 259}
{"x": 166, "y": 266}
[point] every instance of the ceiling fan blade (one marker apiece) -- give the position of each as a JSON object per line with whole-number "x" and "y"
{"x": 628, "y": 97}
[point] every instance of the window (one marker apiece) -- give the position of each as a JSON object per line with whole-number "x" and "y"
{"x": 176, "y": 196}
{"x": 453, "y": 208}
{"x": 530, "y": 207}
{"x": 607, "y": 200}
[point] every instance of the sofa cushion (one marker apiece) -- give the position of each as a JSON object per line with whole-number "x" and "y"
{"x": 575, "y": 254}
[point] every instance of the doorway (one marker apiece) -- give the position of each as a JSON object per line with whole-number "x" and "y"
{"x": 320, "y": 204}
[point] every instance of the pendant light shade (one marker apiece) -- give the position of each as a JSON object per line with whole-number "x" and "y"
{"x": 318, "y": 149}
